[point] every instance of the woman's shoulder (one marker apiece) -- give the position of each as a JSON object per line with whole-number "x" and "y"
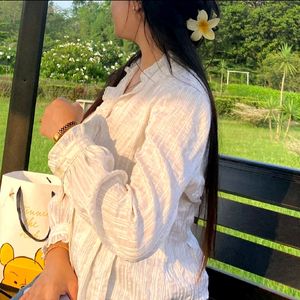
{"x": 182, "y": 78}
{"x": 183, "y": 84}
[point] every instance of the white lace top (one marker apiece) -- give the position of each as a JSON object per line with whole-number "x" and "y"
{"x": 132, "y": 177}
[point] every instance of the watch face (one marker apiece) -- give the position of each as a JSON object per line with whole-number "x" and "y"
{"x": 56, "y": 137}
{"x": 62, "y": 130}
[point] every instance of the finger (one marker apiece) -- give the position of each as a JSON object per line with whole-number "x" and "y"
{"x": 61, "y": 98}
{"x": 42, "y": 131}
{"x": 24, "y": 297}
{"x": 72, "y": 297}
{"x": 27, "y": 294}
{"x": 58, "y": 101}
{"x": 73, "y": 290}
{"x": 78, "y": 105}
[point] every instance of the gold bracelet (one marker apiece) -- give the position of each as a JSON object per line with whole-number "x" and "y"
{"x": 53, "y": 246}
{"x": 62, "y": 130}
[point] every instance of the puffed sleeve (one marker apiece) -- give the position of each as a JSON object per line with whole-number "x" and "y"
{"x": 132, "y": 219}
{"x": 60, "y": 213}
{"x": 60, "y": 208}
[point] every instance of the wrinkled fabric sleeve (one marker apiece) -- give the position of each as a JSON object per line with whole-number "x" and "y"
{"x": 60, "y": 213}
{"x": 132, "y": 219}
{"x": 60, "y": 208}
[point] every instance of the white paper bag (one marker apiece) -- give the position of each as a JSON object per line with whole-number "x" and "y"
{"x": 24, "y": 225}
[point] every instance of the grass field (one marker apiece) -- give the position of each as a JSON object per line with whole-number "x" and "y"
{"x": 235, "y": 139}
{"x": 40, "y": 145}
{"x": 244, "y": 140}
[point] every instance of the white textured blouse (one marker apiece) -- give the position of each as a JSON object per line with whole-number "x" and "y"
{"x": 132, "y": 176}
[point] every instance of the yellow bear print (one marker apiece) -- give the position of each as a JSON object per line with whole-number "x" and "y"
{"x": 21, "y": 270}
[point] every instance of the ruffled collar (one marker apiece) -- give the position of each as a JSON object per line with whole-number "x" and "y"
{"x": 159, "y": 65}
{"x": 153, "y": 73}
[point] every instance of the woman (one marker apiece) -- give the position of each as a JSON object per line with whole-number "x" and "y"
{"x": 137, "y": 168}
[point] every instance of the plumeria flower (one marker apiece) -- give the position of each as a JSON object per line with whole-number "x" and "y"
{"x": 202, "y": 26}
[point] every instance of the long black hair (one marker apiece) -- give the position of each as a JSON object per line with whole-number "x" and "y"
{"x": 167, "y": 23}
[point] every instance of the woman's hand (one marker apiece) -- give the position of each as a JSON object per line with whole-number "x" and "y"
{"x": 58, "y": 278}
{"x": 57, "y": 114}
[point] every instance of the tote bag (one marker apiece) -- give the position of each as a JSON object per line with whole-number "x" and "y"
{"x": 24, "y": 225}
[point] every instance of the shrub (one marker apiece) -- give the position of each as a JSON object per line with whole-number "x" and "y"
{"x": 7, "y": 59}
{"x": 293, "y": 145}
{"x": 82, "y": 62}
{"x": 5, "y": 86}
{"x": 225, "y": 104}
{"x": 256, "y": 116}
{"x": 71, "y": 91}
{"x": 50, "y": 89}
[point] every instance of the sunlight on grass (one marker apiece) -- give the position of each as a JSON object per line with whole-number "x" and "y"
{"x": 276, "y": 208}
{"x": 40, "y": 145}
{"x": 244, "y": 140}
{"x": 254, "y": 279}
{"x": 256, "y": 240}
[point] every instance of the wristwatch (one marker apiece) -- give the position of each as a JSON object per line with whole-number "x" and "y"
{"x": 62, "y": 130}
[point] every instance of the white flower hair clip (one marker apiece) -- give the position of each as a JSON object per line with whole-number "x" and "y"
{"x": 202, "y": 26}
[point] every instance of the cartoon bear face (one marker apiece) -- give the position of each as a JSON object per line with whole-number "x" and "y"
{"x": 19, "y": 271}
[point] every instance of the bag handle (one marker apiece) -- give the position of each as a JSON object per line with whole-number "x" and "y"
{"x": 8, "y": 296}
{"x": 18, "y": 198}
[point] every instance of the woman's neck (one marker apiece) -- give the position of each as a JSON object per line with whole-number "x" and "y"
{"x": 149, "y": 55}
{"x": 149, "y": 58}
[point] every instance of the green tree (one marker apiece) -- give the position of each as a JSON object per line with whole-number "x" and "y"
{"x": 291, "y": 111}
{"x": 93, "y": 20}
{"x": 10, "y": 15}
{"x": 249, "y": 32}
{"x": 58, "y": 25}
{"x": 286, "y": 66}
{"x": 285, "y": 56}
{"x": 272, "y": 115}
{"x": 223, "y": 67}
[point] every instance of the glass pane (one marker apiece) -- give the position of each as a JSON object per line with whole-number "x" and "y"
{"x": 10, "y": 16}
{"x": 255, "y": 80}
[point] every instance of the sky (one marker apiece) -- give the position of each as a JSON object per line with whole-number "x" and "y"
{"x": 63, "y": 4}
